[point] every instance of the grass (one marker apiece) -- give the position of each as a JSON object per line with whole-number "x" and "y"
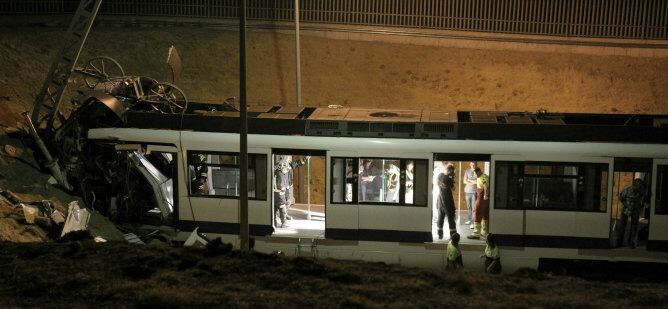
{"x": 83, "y": 273}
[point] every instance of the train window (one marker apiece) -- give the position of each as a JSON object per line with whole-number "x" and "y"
{"x": 508, "y": 185}
{"x": 392, "y": 181}
{"x": 661, "y": 206}
{"x": 217, "y": 174}
{"x": 343, "y": 180}
{"x": 551, "y": 186}
{"x": 379, "y": 181}
{"x": 416, "y": 191}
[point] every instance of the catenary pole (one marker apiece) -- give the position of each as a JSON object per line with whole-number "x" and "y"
{"x": 243, "y": 143}
{"x": 308, "y": 187}
{"x": 459, "y": 194}
{"x": 298, "y": 57}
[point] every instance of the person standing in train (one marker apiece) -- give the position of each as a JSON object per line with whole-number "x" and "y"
{"x": 369, "y": 182}
{"x": 633, "y": 199}
{"x": 470, "y": 191}
{"x": 446, "y": 202}
{"x": 481, "y": 216}
{"x": 392, "y": 176}
{"x": 410, "y": 176}
{"x": 282, "y": 186}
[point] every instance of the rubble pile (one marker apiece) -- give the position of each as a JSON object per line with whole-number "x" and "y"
{"x": 33, "y": 208}
{"x": 37, "y": 213}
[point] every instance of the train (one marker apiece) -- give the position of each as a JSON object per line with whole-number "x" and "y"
{"x": 555, "y": 178}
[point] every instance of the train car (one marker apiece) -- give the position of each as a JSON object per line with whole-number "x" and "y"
{"x": 554, "y": 193}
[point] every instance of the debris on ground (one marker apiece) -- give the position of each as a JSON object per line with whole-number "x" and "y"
{"x": 10, "y": 196}
{"x": 13, "y": 226}
{"x": 12, "y": 151}
{"x": 196, "y": 239}
{"x": 83, "y": 219}
{"x": 133, "y": 239}
{"x": 58, "y": 217}
{"x": 30, "y": 212}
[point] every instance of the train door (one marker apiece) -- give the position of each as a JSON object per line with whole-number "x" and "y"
{"x": 543, "y": 200}
{"x": 623, "y": 228}
{"x": 506, "y": 210}
{"x": 298, "y": 185}
{"x": 379, "y": 196}
{"x": 464, "y": 194}
{"x": 342, "y": 194}
{"x": 658, "y": 228}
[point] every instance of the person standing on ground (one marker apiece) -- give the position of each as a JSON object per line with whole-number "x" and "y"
{"x": 470, "y": 191}
{"x": 481, "y": 227}
{"x": 446, "y": 202}
{"x": 633, "y": 199}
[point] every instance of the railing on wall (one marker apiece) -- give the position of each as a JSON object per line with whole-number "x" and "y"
{"x": 629, "y": 19}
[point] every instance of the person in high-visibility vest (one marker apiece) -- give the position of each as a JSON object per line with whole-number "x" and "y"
{"x": 199, "y": 174}
{"x": 392, "y": 176}
{"x": 454, "y": 255}
{"x": 492, "y": 256}
{"x": 481, "y": 218}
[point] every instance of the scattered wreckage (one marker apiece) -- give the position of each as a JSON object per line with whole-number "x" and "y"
{"x": 126, "y": 183}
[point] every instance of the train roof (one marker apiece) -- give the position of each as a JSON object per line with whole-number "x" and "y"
{"x": 341, "y": 121}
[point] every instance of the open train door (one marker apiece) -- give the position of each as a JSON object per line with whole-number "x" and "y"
{"x": 658, "y": 227}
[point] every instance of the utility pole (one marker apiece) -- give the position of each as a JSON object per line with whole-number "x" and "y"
{"x": 298, "y": 56}
{"x": 243, "y": 143}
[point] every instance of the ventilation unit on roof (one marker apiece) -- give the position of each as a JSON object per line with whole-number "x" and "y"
{"x": 660, "y": 122}
{"x": 380, "y": 127}
{"x": 323, "y": 125}
{"x": 403, "y": 128}
{"x": 439, "y": 128}
{"x": 358, "y": 126}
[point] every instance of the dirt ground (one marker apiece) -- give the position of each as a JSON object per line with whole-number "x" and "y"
{"x": 350, "y": 73}
{"x": 85, "y": 274}
{"x": 29, "y": 183}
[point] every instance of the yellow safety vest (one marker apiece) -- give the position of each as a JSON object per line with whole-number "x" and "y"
{"x": 492, "y": 253}
{"x": 453, "y": 252}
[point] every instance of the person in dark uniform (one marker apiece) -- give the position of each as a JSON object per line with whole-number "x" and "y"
{"x": 445, "y": 201}
{"x": 633, "y": 198}
{"x": 370, "y": 182}
{"x": 282, "y": 185}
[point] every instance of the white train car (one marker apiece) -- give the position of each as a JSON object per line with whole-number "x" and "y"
{"x": 553, "y": 186}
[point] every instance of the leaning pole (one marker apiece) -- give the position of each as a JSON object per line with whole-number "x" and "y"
{"x": 243, "y": 143}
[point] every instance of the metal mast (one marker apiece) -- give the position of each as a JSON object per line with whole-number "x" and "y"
{"x": 298, "y": 82}
{"x": 47, "y": 105}
{"x": 243, "y": 143}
